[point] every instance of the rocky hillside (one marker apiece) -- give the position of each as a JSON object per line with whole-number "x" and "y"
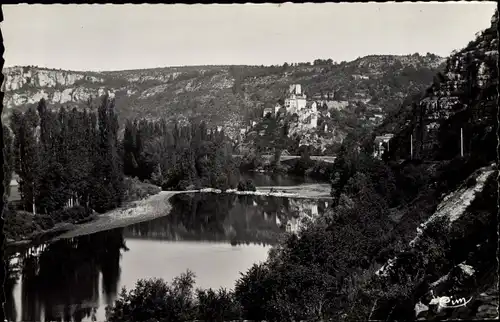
{"x": 223, "y": 95}
{"x": 452, "y": 255}
{"x": 462, "y": 97}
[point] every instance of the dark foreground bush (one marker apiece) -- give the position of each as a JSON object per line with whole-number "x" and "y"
{"x": 157, "y": 300}
{"x": 216, "y": 305}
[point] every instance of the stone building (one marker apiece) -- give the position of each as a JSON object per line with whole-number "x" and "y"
{"x": 267, "y": 111}
{"x": 379, "y": 142}
{"x": 296, "y": 99}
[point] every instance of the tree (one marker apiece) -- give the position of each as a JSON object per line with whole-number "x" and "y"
{"x": 154, "y": 299}
{"x": 129, "y": 149}
{"x": 254, "y": 293}
{"x": 25, "y": 155}
{"x": 216, "y": 306}
{"x": 107, "y": 170}
{"x": 8, "y": 159}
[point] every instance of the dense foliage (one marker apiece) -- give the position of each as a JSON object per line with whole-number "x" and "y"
{"x": 136, "y": 189}
{"x": 157, "y": 300}
{"x": 327, "y": 270}
{"x": 67, "y": 158}
{"x": 247, "y": 185}
{"x": 233, "y": 94}
{"x": 178, "y": 156}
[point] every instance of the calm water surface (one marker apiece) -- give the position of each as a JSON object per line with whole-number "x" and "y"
{"x": 265, "y": 179}
{"x": 216, "y": 236}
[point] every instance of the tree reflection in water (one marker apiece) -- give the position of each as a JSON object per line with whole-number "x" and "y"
{"x": 237, "y": 219}
{"x": 61, "y": 283}
{"x": 11, "y": 277}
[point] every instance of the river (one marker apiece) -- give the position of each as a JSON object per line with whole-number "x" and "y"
{"x": 217, "y": 236}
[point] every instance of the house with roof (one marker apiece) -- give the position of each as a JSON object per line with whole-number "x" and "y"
{"x": 380, "y": 142}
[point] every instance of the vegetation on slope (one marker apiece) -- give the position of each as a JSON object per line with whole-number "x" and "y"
{"x": 232, "y": 95}
{"x": 327, "y": 270}
{"x": 178, "y": 157}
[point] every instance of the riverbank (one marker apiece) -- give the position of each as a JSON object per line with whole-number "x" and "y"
{"x": 24, "y": 228}
{"x": 306, "y": 191}
{"x": 158, "y": 205}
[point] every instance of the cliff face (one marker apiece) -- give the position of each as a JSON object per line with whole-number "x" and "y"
{"x": 451, "y": 260}
{"x": 221, "y": 95}
{"x": 18, "y": 77}
{"x": 461, "y": 99}
{"x": 452, "y": 256}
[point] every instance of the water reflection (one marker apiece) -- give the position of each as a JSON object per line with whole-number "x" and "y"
{"x": 11, "y": 276}
{"x": 266, "y": 179}
{"x": 238, "y": 219}
{"x": 74, "y": 279}
{"x": 61, "y": 283}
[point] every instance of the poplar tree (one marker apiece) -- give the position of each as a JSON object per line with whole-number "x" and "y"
{"x": 8, "y": 159}
{"x": 25, "y": 155}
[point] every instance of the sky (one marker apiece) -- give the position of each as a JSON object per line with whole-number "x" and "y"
{"x": 118, "y": 37}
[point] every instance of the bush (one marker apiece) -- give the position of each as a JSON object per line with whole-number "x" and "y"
{"x": 253, "y": 292}
{"x": 247, "y": 185}
{"x": 221, "y": 182}
{"x": 22, "y": 224}
{"x": 155, "y": 300}
{"x": 137, "y": 190}
{"x": 68, "y": 215}
{"x": 217, "y": 306}
{"x": 18, "y": 224}
{"x": 44, "y": 222}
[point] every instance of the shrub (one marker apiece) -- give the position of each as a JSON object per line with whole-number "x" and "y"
{"x": 71, "y": 215}
{"x": 221, "y": 182}
{"x": 247, "y": 185}
{"x": 44, "y": 221}
{"x": 253, "y": 292}
{"x": 18, "y": 224}
{"x": 22, "y": 224}
{"x": 216, "y": 306}
{"x": 155, "y": 300}
{"x": 136, "y": 190}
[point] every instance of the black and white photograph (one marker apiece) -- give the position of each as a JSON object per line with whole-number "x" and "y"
{"x": 250, "y": 162}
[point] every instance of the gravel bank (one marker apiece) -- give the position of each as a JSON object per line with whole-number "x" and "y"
{"x": 158, "y": 205}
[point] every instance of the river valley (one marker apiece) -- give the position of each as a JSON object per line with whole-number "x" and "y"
{"x": 217, "y": 236}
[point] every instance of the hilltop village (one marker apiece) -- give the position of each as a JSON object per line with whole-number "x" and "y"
{"x": 303, "y": 111}
{"x": 305, "y": 116}
{"x": 310, "y": 118}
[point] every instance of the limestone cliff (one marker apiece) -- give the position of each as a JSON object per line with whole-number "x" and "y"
{"x": 27, "y": 85}
{"x": 451, "y": 256}
{"x": 461, "y": 101}
{"x": 451, "y": 259}
{"x": 228, "y": 96}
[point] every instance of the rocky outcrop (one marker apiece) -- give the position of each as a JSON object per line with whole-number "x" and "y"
{"x": 451, "y": 261}
{"x": 229, "y": 96}
{"x": 461, "y": 99}
{"x": 68, "y": 95}
{"x": 449, "y": 269}
{"x": 19, "y": 77}
{"x": 27, "y": 85}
